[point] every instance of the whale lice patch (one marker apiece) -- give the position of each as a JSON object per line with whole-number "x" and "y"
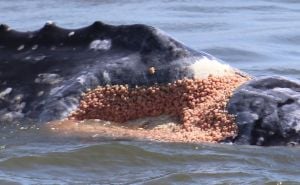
{"x": 196, "y": 105}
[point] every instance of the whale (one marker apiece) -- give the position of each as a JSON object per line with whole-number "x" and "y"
{"x": 56, "y": 73}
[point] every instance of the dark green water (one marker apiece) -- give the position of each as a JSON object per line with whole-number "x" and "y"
{"x": 260, "y": 37}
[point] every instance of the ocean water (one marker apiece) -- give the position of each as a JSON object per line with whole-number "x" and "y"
{"x": 260, "y": 37}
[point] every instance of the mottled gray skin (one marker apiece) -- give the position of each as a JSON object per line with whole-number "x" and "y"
{"x": 43, "y": 73}
{"x": 267, "y": 111}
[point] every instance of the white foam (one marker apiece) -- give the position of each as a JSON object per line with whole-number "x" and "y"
{"x": 204, "y": 67}
{"x": 100, "y": 44}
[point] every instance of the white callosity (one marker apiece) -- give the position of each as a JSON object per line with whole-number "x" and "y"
{"x": 204, "y": 67}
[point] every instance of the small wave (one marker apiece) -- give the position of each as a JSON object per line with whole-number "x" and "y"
{"x": 154, "y": 163}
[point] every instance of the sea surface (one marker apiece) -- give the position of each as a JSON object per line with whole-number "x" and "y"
{"x": 261, "y": 37}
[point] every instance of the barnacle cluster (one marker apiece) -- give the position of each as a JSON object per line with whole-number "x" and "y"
{"x": 199, "y": 105}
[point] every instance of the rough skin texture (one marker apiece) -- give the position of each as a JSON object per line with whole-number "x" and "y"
{"x": 267, "y": 111}
{"x": 198, "y": 105}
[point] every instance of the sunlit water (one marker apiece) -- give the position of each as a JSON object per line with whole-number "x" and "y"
{"x": 259, "y": 37}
